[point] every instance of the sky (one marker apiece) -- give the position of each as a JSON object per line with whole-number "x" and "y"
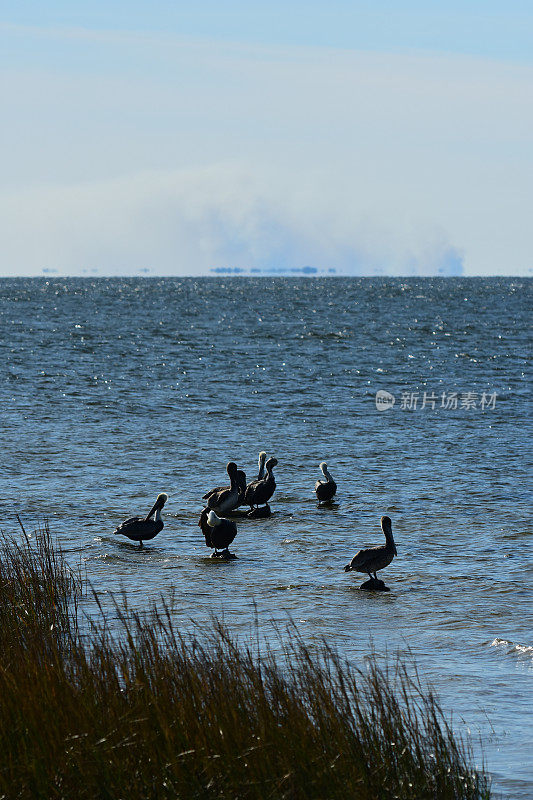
{"x": 171, "y": 138}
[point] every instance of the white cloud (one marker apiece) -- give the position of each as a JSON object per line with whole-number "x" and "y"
{"x": 181, "y": 158}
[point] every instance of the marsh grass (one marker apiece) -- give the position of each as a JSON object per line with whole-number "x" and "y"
{"x": 149, "y": 712}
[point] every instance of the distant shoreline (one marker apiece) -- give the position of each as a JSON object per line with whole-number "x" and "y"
{"x": 297, "y": 275}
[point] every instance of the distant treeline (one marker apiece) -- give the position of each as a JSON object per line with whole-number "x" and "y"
{"x": 273, "y": 271}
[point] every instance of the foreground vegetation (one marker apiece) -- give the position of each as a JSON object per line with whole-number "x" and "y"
{"x": 149, "y": 713}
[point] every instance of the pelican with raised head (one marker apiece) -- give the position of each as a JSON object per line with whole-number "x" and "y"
{"x": 259, "y": 492}
{"x": 224, "y": 499}
{"x": 325, "y": 490}
{"x": 219, "y": 533}
{"x": 142, "y": 529}
{"x": 372, "y": 559}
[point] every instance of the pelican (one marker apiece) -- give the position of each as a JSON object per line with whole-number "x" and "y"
{"x": 224, "y": 499}
{"x": 259, "y": 492}
{"x": 142, "y": 529}
{"x": 219, "y": 533}
{"x": 372, "y": 559}
{"x": 325, "y": 490}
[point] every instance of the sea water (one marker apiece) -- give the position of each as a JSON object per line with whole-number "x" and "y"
{"x": 114, "y": 390}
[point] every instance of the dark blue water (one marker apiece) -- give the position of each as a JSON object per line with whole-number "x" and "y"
{"x": 115, "y": 390}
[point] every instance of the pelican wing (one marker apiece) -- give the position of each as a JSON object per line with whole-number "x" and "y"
{"x": 128, "y": 524}
{"x": 365, "y": 557}
{"x": 253, "y": 484}
{"x": 139, "y": 529}
{"x": 223, "y": 535}
{"x": 218, "y": 499}
{"x": 207, "y": 495}
{"x": 250, "y": 491}
{"x": 325, "y": 490}
{"x": 262, "y": 492}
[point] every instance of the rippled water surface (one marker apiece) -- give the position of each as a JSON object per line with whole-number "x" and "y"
{"x": 113, "y": 390}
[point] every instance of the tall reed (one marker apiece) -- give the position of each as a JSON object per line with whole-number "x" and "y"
{"x": 151, "y": 712}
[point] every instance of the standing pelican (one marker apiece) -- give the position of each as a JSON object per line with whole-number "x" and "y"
{"x": 325, "y": 490}
{"x": 224, "y": 499}
{"x": 219, "y": 533}
{"x": 265, "y": 511}
{"x": 259, "y": 492}
{"x": 142, "y": 529}
{"x": 372, "y": 559}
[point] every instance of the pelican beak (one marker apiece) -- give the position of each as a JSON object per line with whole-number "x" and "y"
{"x": 159, "y": 503}
{"x": 154, "y": 509}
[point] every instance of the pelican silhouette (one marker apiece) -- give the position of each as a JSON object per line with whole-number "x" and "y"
{"x": 219, "y": 533}
{"x": 325, "y": 490}
{"x": 142, "y": 529}
{"x": 259, "y": 492}
{"x": 372, "y": 559}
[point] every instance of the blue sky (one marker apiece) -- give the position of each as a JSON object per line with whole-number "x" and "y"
{"x": 485, "y": 27}
{"x": 389, "y": 138}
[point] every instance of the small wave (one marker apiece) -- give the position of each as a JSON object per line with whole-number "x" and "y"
{"x": 104, "y": 557}
{"x": 511, "y": 647}
{"x": 334, "y": 335}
